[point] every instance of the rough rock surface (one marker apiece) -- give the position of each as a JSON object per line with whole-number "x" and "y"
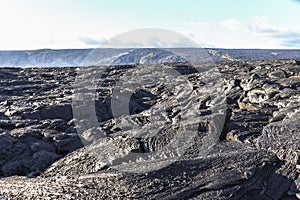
{"x": 35, "y": 125}
{"x": 256, "y": 154}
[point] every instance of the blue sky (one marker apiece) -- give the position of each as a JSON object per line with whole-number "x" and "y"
{"x": 37, "y": 24}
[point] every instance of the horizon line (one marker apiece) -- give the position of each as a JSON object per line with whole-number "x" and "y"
{"x": 222, "y": 48}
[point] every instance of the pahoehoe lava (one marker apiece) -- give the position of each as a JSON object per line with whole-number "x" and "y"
{"x": 256, "y": 155}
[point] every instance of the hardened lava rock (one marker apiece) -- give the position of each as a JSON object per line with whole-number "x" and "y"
{"x": 256, "y": 155}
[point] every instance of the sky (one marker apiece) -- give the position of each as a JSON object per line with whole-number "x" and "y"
{"x": 66, "y": 24}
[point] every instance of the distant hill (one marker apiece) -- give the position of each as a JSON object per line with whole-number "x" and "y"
{"x": 254, "y": 54}
{"x": 43, "y": 58}
{"x": 77, "y": 57}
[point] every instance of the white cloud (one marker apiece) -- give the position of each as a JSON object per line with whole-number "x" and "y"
{"x": 280, "y": 36}
{"x": 232, "y": 24}
{"x": 242, "y": 35}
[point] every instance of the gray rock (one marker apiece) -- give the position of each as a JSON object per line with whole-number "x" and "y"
{"x": 42, "y": 146}
{"x": 18, "y": 167}
{"x": 7, "y": 124}
{"x": 283, "y": 138}
{"x": 277, "y": 74}
{"x": 42, "y": 159}
{"x": 6, "y": 144}
{"x": 63, "y": 111}
{"x": 294, "y": 69}
{"x": 3, "y": 116}
{"x": 68, "y": 143}
{"x": 31, "y": 115}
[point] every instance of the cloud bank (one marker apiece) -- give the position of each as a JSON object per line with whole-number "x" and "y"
{"x": 286, "y": 38}
{"x": 261, "y": 30}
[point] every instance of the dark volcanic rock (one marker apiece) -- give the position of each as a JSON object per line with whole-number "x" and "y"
{"x": 57, "y": 112}
{"x": 283, "y": 138}
{"x": 253, "y": 104}
{"x": 35, "y": 107}
{"x": 230, "y": 171}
